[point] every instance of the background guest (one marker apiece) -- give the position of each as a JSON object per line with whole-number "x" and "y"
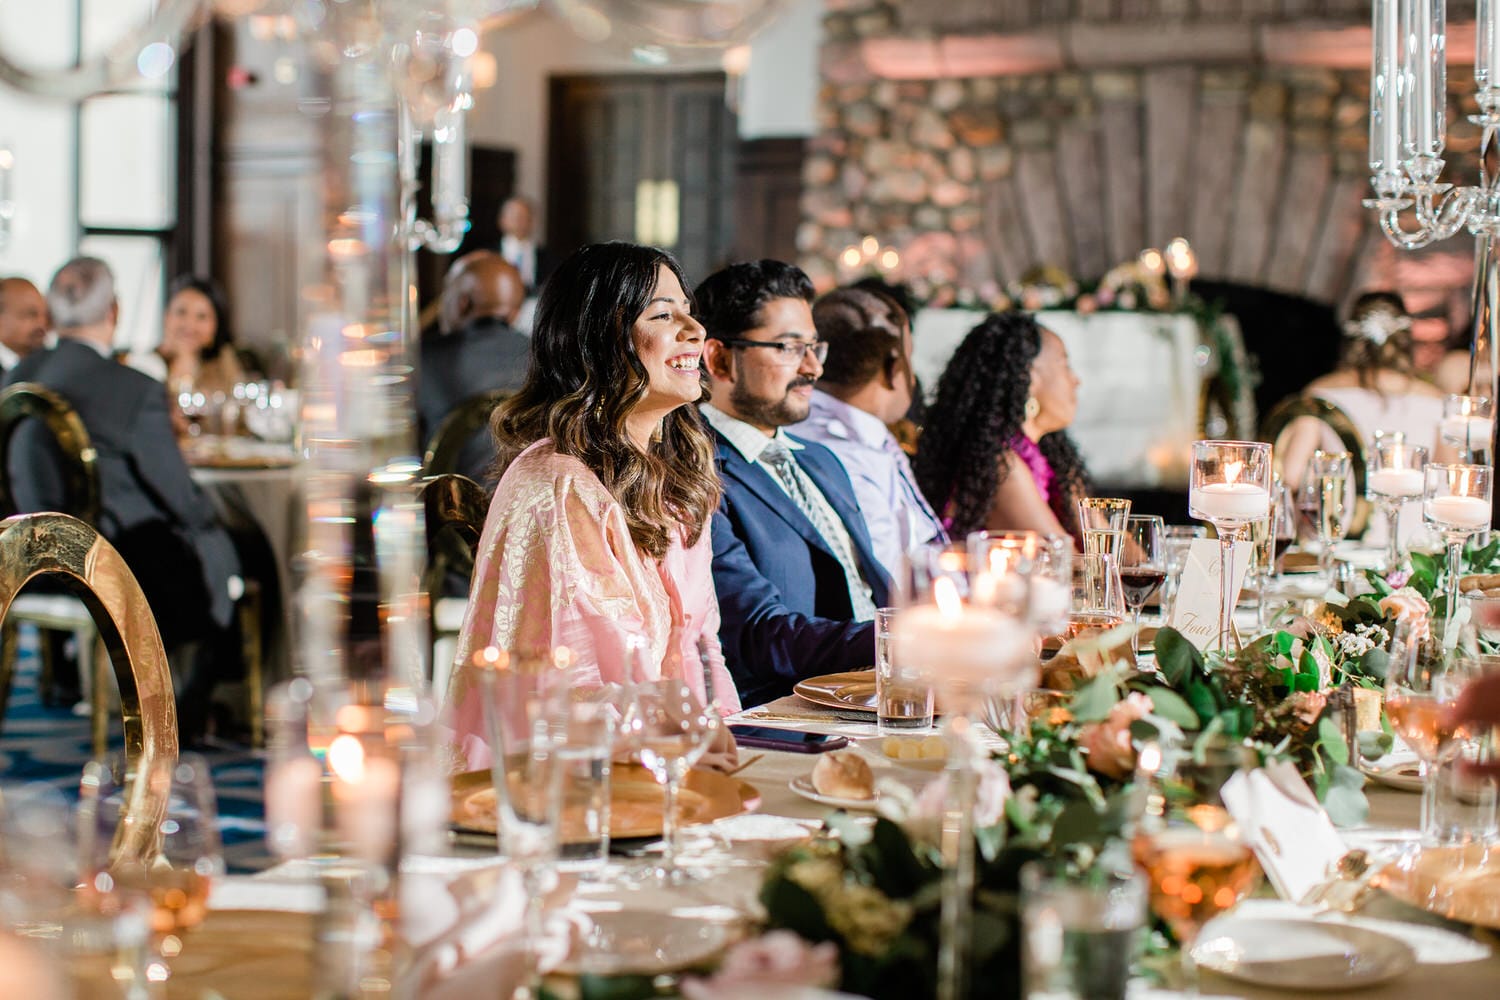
{"x": 475, "y": 349}
{"x": 197, "y": 351}
{"x": 867, "y": 384}
{"x": 1375, "y": 384}
{"x": 598, "y": 529}
{"x": 797, "y": 577}
{"x": 518, "y": 244}
{"x": 152, "y": 511}
{"x": 994, "y": 452}
{"x": 23, "y": 321}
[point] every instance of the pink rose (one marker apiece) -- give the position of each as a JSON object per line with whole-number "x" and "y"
{"x": 989, "y": 797}
{"x": 1409, "y": 608}
{"x": 1308, "y": 705}
{"x": 1107, "y": 743}
{"x": 776, "y": 957}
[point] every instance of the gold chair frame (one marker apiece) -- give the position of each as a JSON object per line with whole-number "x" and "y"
{"x": 455, "y": 511}
{"x": 26, "y": 400}
{"x": 33, "y": 545}
{"x": 457, "y": 427}
{"x": 1294, "y": 408}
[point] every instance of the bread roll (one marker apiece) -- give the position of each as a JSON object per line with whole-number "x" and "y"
{"x": 843, "y": 774}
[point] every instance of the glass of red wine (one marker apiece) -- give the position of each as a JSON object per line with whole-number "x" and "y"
{"x": 1143, "y": 566}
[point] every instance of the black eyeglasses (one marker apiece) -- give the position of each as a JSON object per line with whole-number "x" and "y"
{"x": 789, "y": 352}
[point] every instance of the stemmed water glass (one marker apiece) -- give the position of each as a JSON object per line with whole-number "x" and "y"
{"x": 1456, "y": 501}
{"x": 671, "y": 726}
{"x": 1394, "y": 480}
{"x": 1230, "y": 487}
{"x": 1423, "y": 681}
{"x": 1468, "y": 424}
{"x": 1186, "y": 843}
{"x": 1143, "y": 567}
{"x": 1272, "y": 537}
{"x": 149, "y": 829}
{"x": 1177, "y": 542}
{"x": 1331, "y": 473}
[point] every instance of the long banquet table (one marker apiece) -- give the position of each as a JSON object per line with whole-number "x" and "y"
{"x": 264, "y": 954}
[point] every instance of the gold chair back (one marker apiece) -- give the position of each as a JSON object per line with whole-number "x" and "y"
{"x": 30, "y": 401}
{"x": 33, "y": 545}
{"x": 1294, "y": 408}
{"x": 455, "y": 510}
{"x": 456, "y": 429}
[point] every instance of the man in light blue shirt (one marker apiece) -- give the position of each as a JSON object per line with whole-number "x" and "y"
{"x": 867, "y": 383}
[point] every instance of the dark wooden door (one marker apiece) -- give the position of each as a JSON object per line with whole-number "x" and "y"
{"x": 643, "y": 158}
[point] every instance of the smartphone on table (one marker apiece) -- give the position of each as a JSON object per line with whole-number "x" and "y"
{"x": 789, "y": 740}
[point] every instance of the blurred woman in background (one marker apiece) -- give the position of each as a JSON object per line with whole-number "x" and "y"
{"x": 196, "y": 353}
{"x": 994, "y": 452}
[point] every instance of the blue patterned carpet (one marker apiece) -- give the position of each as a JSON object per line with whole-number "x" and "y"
{"x": 51, "y": 745}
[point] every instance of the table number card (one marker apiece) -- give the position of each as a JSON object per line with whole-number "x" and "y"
{"x": 1281, "y": 820}
{"x": 1195, "y": 611}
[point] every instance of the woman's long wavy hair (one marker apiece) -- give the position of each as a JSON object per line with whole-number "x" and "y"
{"x": 585, "y": 379}
{"x": 1378, "y": 336}
{"x": 979, "y": 409}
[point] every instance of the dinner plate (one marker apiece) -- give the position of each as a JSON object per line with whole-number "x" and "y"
{"x": 803, "y": 786}
{"x": 850, "y": 691}
{"x": 635, "y": 803}
{"x": 1461, "y": 883}
{"x": 1300, "y": 955}
{"x": 642, "y": 943}
{"x": 1400, "y": 771}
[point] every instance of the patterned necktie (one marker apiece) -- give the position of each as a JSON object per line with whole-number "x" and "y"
{"x": 933, "y": 527}
{"x": 799, "y": 488}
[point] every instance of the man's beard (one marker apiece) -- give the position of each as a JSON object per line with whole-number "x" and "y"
{"x": 771, "y": 413}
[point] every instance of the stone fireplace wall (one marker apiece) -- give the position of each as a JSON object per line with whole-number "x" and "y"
{"x": 983, "y": 138}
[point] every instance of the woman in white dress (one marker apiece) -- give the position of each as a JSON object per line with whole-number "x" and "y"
{"x": 1375, "y": 384}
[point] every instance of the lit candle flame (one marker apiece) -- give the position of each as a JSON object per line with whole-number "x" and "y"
{"x": 1232, "y": 471}
{"x": 346, "y": 758}
{"x": 490, "y": 658}
{"x": 945, "y": 594}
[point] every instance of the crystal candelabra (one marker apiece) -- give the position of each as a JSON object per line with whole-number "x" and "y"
{"x": 1408, "y": 125}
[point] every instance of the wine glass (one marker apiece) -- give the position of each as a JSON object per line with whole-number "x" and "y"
{"x": 1098, "y": 596}
{"x": 671, "y": 727}
{"x": 1468, "y": 424}
{"x": 1186, "y": 843}
{"x": 1332, "y": 474}
{"x": 1394, "y": 480}
{"x": 1230, "y": 487}
{"x": 1456, "y": 501}
{"x": 149, "y": 828}
{"x": 1423, "y": 680}
{"x": 1143, "y": 567}
{"x": 1102, "y": 521}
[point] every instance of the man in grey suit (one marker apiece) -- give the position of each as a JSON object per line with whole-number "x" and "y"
{"x": 475, "y": 350}
{"x": 152, "y": 511}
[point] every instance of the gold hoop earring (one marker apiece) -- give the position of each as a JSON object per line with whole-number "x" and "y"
{"x": 1033, "y": 407}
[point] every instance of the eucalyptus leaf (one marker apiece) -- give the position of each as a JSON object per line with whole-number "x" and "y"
{"x": 1331, "y": 741}
{"x": 1176, "y": 657}
{"x": 1346, "y": 805}
{"x": 1374, "y": 745}
{"x": 1424, "y": 565}
{"x": 595, "y": 987}
{"x": 1093, "y": 701}
{"x": 1170, "y": 705}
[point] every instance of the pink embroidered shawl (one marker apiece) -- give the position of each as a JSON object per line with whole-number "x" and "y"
{"x": 556, "y": 567}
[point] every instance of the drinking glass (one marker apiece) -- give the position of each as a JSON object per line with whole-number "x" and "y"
{"x": 1332, "y": 473}
{"x": 1081, "y": 931}
{"x": 1102, "y": 521}
{"x": 902, "y": 704}
{"x": 1394, "y": 480}
{"x": 1098, "y": 596}
{"x": 149, "y": 829}
{"x": 1468, "y": 424}
{"x": 1177, "y": 541}
{"x": 1143, "y": 567}
{"x": 1186, "y": 843}
{"x": 672, "y": 729}
{"x": 1456, "y": 501}
{"x": 1423, "y": 680}
{"x": 1230, "y": 487}
{"x": 1045, "y": 560}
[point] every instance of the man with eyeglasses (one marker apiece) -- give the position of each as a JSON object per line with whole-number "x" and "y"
{"x": 797, "y": 579}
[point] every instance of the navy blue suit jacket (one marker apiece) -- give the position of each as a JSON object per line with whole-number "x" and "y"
{"x": 783, "y": 598}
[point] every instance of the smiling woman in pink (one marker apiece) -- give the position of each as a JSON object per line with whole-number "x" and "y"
{"x": 598, "y": 529}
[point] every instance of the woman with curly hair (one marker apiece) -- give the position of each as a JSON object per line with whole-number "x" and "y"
{"x": 598, "y": 529}
{"x": 994, "y": 453}
{"x": 1375, "y": 384}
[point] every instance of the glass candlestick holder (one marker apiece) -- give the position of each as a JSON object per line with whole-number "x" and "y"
{"x": 1469, "y": 425}
{"x": 1456, "y": 501}
{"x": 1394, "y": 480}
{"x": 1230, "y": 487}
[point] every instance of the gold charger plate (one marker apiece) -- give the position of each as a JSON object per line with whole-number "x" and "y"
{"x": 1299, "y": 562}
{"x": 1052, "y": 643}
{"x": 635, "y": 803}
{"x": 1460, "y": 883}
{"x": 850, "y": 691}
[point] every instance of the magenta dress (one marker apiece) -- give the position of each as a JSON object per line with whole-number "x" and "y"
{"x": 556, "y": 566}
